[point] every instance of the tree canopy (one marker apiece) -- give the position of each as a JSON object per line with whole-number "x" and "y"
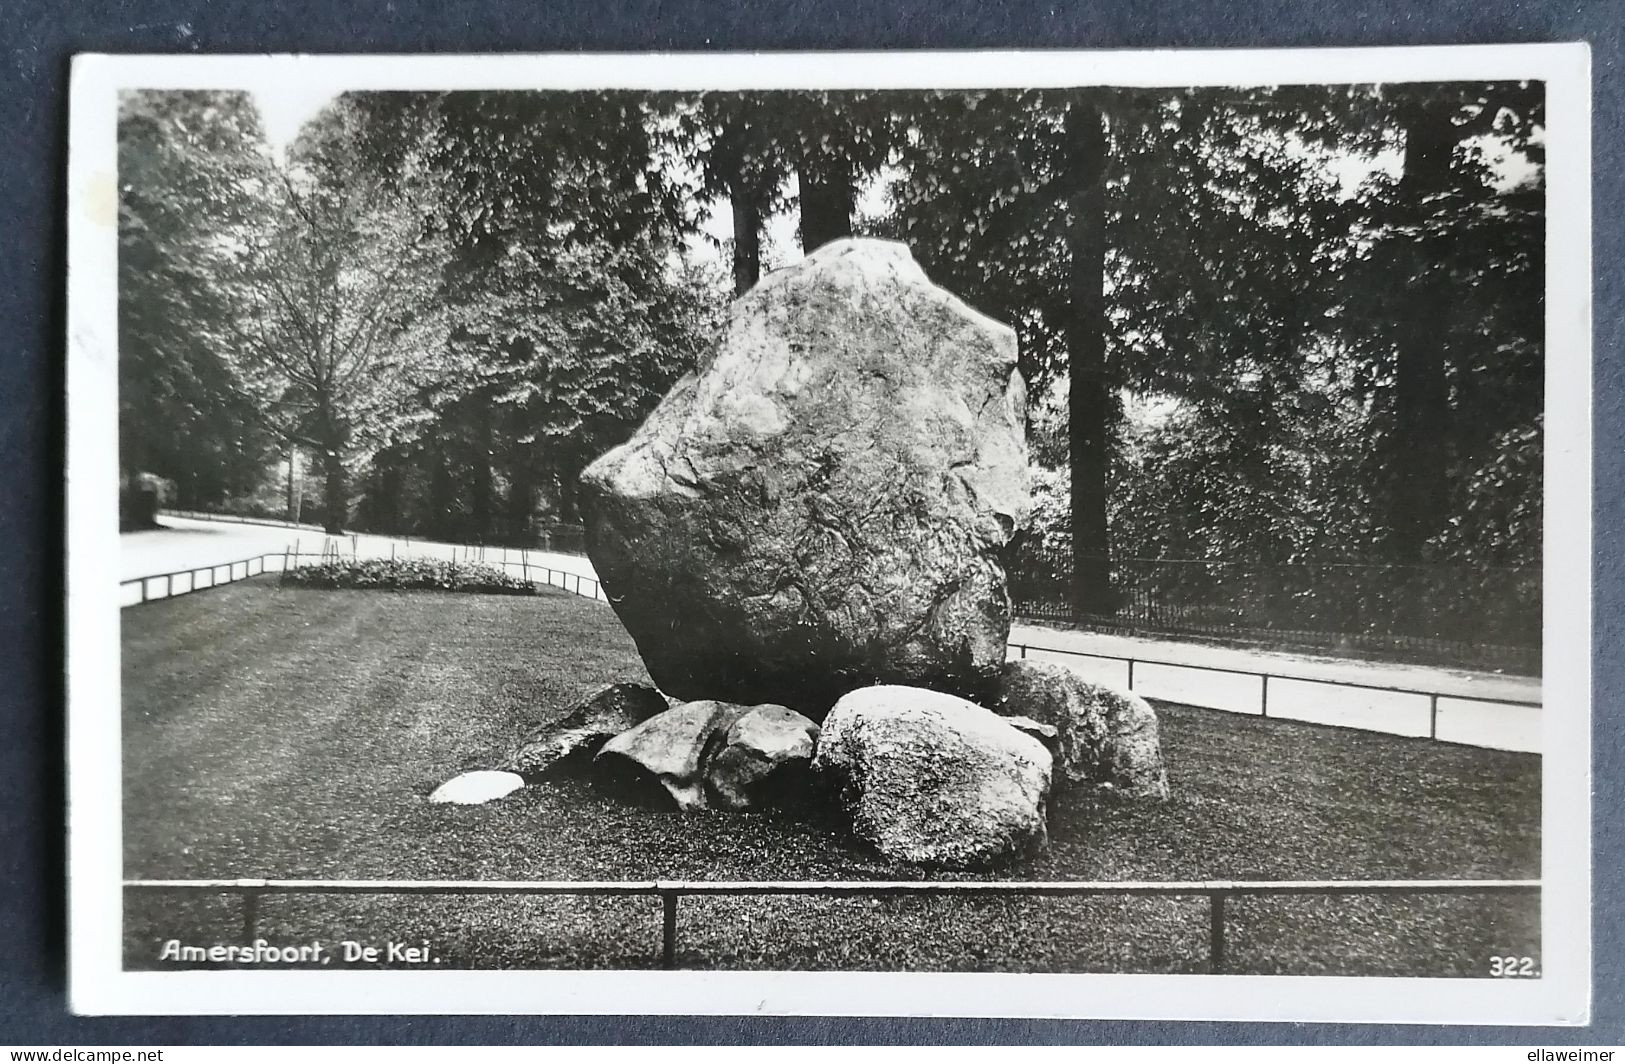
{"x": 1274, "y": 324}
{"x": 192, "y": 180}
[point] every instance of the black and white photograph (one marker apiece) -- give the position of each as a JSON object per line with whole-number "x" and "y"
{"x": 773, "y": 532}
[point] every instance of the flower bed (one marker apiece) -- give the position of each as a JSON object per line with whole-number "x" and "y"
{"x": 408, "y": 574}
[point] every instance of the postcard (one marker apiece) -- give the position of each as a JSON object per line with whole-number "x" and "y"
{"x": 1051, "y": 534}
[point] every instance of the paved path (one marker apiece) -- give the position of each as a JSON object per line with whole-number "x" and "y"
{"x": 185, "y": 543}
{"x": 1465, "y": 682}
{"x": 1302, "y": 686}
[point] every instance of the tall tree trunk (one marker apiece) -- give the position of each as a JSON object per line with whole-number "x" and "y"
{"x": 442, "y": 494}
{"x": 133, "y": 509}
{"x": 827, "y": 202}
{"x": 1089, "y": 401}
{"x": 569, "y": 469}
{"x": 481, "y": 487}
{"x": 1419, "y": 456}
{"x": 293, "y": 483}
{"x": 386, "y": 500}
{"x": 747, "y": 240}
{"x": 521, "y": 497}
{"x": 335, "y": 490}
{"x": 333, "y": 437}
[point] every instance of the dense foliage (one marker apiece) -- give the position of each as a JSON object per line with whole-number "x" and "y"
{"x": 191, "y": 180}
{"x": 1308, "y": 350}
{"x": 572, "y": 309}
{"x": 1272, "y": 326}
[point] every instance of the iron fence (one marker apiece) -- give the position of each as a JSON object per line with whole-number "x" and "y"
{"x": 1216, "y": 892}
{"x": 1449, "y": 614}
{"x": 146, "y": 587}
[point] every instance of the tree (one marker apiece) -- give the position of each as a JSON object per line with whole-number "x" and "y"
{"x": 569, "y": 310}
{"x": 729, "y": 137}
{"x": 745, "y": 147}
{"x": 192, "y": 175}
{"x": 1189, "y": 485}
{"x": 834, "y": 141}
{"x": 1089, "y": 399}
{"x": 1446, "y": 292}
{"x": 344, "y": 322}
{"x": 1165, "y": 240}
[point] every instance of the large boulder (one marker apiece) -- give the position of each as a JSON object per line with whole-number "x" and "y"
{"x": 764, "y": 760}
{"x": 933, "y": 779}
{"x": 822, "y": 504}
{"x": 672, "y": 749}
{"x": 1107, "y": 738}
{"x": 583, "y": 729}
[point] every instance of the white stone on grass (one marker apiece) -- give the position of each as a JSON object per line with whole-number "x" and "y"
{"x": 477, "y": 788}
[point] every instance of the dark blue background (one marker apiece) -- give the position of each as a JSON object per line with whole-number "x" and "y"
{"x": 39, "y": 36}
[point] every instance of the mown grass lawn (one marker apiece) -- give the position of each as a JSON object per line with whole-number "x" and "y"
{"x": 294, "y": 733}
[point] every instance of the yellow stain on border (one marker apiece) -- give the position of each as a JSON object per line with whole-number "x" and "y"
{"x": 101, "y": 199}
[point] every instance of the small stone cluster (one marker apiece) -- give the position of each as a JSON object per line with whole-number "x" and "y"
{"x": 806, "y": 540}
{"x": 631, "y": 740}
{"x": 698, "y": 755}
{"x": 923, "y": 776}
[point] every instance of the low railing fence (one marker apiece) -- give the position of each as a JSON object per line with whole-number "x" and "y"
{"x": 1432, "y": 698}
{"x": 142, "y": 589}
{"x": 1216, "y": 892}
{"x": 170, "y": 584}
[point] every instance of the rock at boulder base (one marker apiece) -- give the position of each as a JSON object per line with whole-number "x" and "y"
{"x": 1044, "y": 733}
{"x": 933, "y": 779}
{"x": 673, "y": 749}
{"x": 1107, "y": 738}
{"x": 823, "y": 503}
{"x": 583, "y": 729}
{"x": 765, "y": 759}
{"x": 477, "y": 788}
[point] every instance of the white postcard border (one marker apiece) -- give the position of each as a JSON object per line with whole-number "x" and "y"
{"x": 98, "y": 983}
